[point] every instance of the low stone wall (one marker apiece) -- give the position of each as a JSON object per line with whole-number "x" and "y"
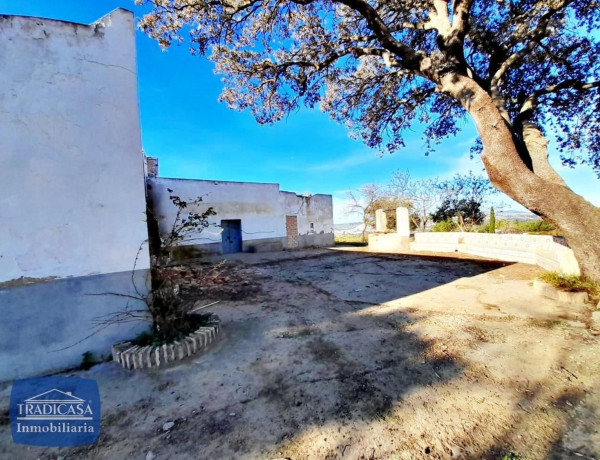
{"x": 388, "y": 242}
{"x": 319, "y": 240}
{"x": 193, "y": 251}
{"x": 539, "y": 250}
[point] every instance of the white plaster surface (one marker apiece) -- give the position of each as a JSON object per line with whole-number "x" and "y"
{"x": 262, "y": 208}
{"x": 380, "y": 221}
{"x": 314, "y": 209}
{"x": 388, "y": 242}
{"x": 257, "y": 205}
{"x": 539, "y": 250}
{"x": 72, "y": 196}
{"x": 402, "y": 222}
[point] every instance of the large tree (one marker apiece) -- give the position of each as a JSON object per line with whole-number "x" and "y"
{"x": 518, "y": 68}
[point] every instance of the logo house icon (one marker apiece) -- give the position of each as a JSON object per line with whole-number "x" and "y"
{"x": 55, "y": 405}
{"x": 55, "y": 411}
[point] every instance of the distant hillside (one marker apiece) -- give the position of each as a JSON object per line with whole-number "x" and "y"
{"x": 352, "y": 228}
{"x": 514, "y": 214}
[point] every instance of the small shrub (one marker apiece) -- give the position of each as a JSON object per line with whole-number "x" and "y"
{"x": 184, "y": 325}
{"x": 525, "y": 226}
{"x": 534, "y": 226}
{"x": 87, "y": 361}
{"x": 144, "y": 339}
{"x": 503, "y": 225}
{"x": 447, "y": 225}
{"x": 511, "y": 456}
{"x": 572, "y": 283}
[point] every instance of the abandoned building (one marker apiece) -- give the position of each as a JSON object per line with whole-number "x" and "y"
{"x": 250, "y": 217}
{"x": 73, "y": 230}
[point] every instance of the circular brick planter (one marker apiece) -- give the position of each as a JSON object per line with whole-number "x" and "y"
{"x": 132, "y": 356}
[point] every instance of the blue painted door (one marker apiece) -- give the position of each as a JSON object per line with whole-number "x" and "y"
{"x": 231, "y": 237}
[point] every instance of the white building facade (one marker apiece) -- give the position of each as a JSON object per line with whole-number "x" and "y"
{"x": 74, "y": 186}
{"x": 250, "y": 217}
{"x": 72, "y": 201}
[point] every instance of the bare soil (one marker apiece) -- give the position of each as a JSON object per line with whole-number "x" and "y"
{"x": 343, "y": 355}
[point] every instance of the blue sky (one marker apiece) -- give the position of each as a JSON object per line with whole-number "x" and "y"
{"x": 194, "y": 136}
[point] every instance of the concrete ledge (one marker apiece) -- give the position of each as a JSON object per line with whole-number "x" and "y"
{"x": 572, "y": 298}
{"x": 595, "y": 322}
{"x": 539, "y": 250}
{"x": 388, "y": 242}
{"x": 131, "y": 356}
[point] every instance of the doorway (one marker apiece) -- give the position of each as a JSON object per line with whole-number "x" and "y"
{"x": 291, "y": 228}
{"x": 231, "y": 237}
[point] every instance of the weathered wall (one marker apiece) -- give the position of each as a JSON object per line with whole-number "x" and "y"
{"x": 47, "y": 326}
{"x": 257, "y": 205}
{"x": 540, "y": 250}
{"x": 314, "y": 209}
{"x": 72, "y": 188}
{"x": 262, "y": 208}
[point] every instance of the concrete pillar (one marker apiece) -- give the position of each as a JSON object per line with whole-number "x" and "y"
{"x": 380, "y": 221}
{"x": 402, "y": 222}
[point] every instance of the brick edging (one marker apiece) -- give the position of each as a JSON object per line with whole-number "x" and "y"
{"x": 132, "y": 356}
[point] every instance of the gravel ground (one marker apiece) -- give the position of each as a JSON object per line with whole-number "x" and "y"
{"x": 360, "y": 356}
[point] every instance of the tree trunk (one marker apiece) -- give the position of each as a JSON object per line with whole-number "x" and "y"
{"x": 577, "y": 219}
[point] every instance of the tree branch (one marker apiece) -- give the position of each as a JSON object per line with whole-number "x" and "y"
{"x": 439, "y": 18}
{"x": 512, "y": 59}
{"x": 531, "y": 100}
{"x": 530, "y": 38}
{"x": 535, "y": 141}
{"x": 460, "y": 17}
{"x": 412, "y": 60}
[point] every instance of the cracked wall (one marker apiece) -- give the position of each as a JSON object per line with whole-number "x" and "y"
{"x": 315, "y": 217}
{"x": 72, "y": 189}
{"x": 262, "y": 208}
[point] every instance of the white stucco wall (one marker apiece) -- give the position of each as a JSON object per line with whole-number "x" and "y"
{"x": 72, "y": 197}
{"x": 262, "y": 208}
{"x": 540, "y": 250}
{"x": 315, "y": 209}
{"x": 257, "y": 205}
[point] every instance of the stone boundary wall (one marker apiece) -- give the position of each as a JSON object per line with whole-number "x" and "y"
{"x": 539, "y": 250}
{"x": 388, "y": 242}
{"x": 132, "y": 356}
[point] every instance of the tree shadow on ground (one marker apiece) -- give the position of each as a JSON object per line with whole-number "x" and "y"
{"x": 301, "y": 372}
{"x": 548, "y": 398}
{"x": 376, "y": 279}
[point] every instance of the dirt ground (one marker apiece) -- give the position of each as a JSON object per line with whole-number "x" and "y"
{"x": 343, "y": 355}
